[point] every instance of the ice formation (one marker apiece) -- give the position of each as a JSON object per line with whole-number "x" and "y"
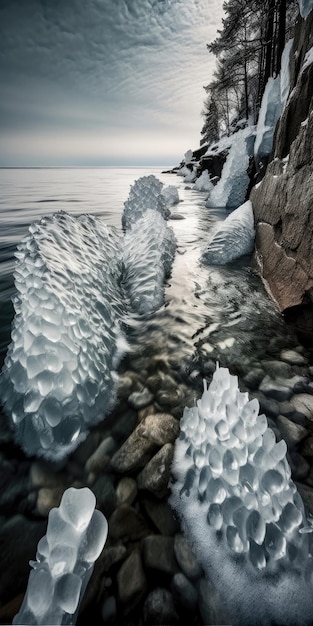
{"x": 231, "y": 189}
{"x": 204, "y": 183}
{"x": 270, "y": 111}
{"x": 145, "y": 193}
{"x": 188, "y": 156}
{"x": 149, "y": 252}
{"x": 233, "y": 238}
{"x": 246, "y": 519}
{"x": 170, "y": 195}
{"x": 75, "y": 537}
{"x": 285, "y": 73}
{"x": 58, "y": 377}
{"x": 306, "y": 7}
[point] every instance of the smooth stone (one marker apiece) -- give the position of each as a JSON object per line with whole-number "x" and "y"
{"x": 293, "y": 357}
{"x": 186, "y": 558}
{"x": 269, "y": 406}
{"x": 161, "y": 514}
{"x": 184, "y": 593}
{"x": 140, "y": 399}
{"x": 103, "y": 488}
{"x": 125, "y": 384}
{"x": 86, "y": 448}
{"x": 253, "y": 378}
{"x": 159, "y": 608}
{"x": 126, "y": 490}
{"x": 151, "y": 433}
{"x": 306, "y": 493}
{"x": 101, "y": 456}
{"x": 303, "y": 386}
{"x": 131, "y": 582}
{"x": 156, "y": 474}
{"x": 277, "y": 369}
{"x": 292, "y": 433}
{"x": 275, "y": 388}
{"x": 176, "y": 216}
{"x": 287, "y": 409}
{"x": 158, "y": 554}
{"x": 303, "y": 403}
{"x": 42, "y": 475}
{"x": 307, "y": 447}
{"x": 109, "y": 558}
{"x": 148, "y": 410}
{"x": 126, "y": 524}
{"x": 124, "y": 425}
{"x": 299, "y": 466}
{"x": 48, "y": 498}
{"x": 108, "y": 610}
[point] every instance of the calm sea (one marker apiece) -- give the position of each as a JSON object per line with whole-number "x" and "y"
{"x": 210, "y": 313}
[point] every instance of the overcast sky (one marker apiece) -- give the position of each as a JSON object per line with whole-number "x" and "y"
{"x": 103, "y": 82}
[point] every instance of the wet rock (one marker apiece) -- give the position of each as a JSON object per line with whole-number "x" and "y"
{"x": 48, "y": 498}
{"x": 156, "y": 474}
{"x": 152, "y": 433}
{"x": 276, "y": 388}
{"x": 299, "y": 466}
{"x": 42, "y": 475}
{"x": 211, "y": 609}
{"x": 292, "y": 433}
{"x": 306, "y": 493}
{"x": 108, "y": 610}
{"x": 161, "y": 515}
{"x": 277, "y": 369}
{"x": 307, "y": 448}
{"x": 86, "y": 448}
{"x": 186, "y": 558}
{"x": 158, "y": 554}
{"x": 155, "y": 382}
{"x": 124, "y": 425}
{"x": 287, "y": 409}
{"x": 125, "y": 384}
{"x": 169, "y": 397}
{"x": 303, "y": 403}
{"x": 148, "y": 410}
{"x": 253, "y": 379}
{"x": 9, "y": 610}
{"x": 140, "y": 399}
{"x": 126, "y": 524}
{"x": 108, "y": 558}
{"x": 269, "y": 406}
{"x": 293, "y": 357}
{"x": 101, "y": 456}
{"x": 131, "y": 581}
{"x": 105, "y": 494}
{"x": 159, "y": 608}
{"x": 184, "y": 593}
{"x": 126, "y": 490}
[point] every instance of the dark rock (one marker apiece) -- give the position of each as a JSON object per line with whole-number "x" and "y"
{"x": 303, "y": 403}
{"x": 125, "y": 385}
{"x": 306, "y": 493}
{"x": 100, "y": 458}
{"x": 269, "y": 406}
{"x": 105, "y": 494}
{"x": 156, "y": 474}
{"x": 131, "y": 582}
{"x": 109, "y": 557}
{"x": 254, "y": 378}
{"x": 186, "y": 558}
{"x": 307, "y": 448}
{"x": 140, "y": 399}
{"x": 148, "y": 410}
{"x": 124, "y": 425}
{"x": 48, "y": 498}
{"x": 158, "y": 554}
{"x": 276, "y": 388}
{"x": 291, "y": 433}
{"x": 299, "y": 466}
{"x": 277, "y": 369}
{"x": 161, "y": 514}
{"x": 159, "y": 608}
{"x": 184, "y": 593}
{"x": 126, "y": 490}
{"x": 126, "y": 524}
{"x": 86, "y": 449}
{"x": 108, "y": 610}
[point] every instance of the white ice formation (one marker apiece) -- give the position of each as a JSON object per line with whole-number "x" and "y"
{"x": 232, "y": 238}
{"x": 188, "y": 156}
{"x": 75, "y": 537}
{"x": 243, "y": 513}
{"x": 148, "y": 255}
{"x": 145, "y": 193}
{"x": 270, "y": 111}
{"x": 204, "y": 183}
{"x": 285, "y": 73}
{"x": 232, "y": 187}
{"x": 306, "y": 7}
{"x": 170, "y": 195}
{"x": 58, "y": 378}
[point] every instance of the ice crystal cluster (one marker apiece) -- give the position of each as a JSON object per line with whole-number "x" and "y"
{"x": 270, "y": 111}
{"x": 204, "y": 183}
{"x": 170, "y": 195}
{"x": 233, "y": 238}
{"x": 149, "y": 252}
{"x": 305, "y": 7}
{"x": 237, "y": 501}
{"x": 231, "y": 189}
{"x": 58, "y": 378}
{"x": 145, "y": 193}
{"x": 75, "y": 537}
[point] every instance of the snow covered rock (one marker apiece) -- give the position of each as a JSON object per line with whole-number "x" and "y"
{"x": 243, "y": 513}
{"x": 305, "y": 7}
{"x": 231, "y": 189}
{"x": 145, "y": 193}
{"x": 270, "y": 111}
{"x": 149, "y": 251}
{"x": 58, "y": 377}
{"x": 233, "y": 238}
{"x": 204, "y": 183}
{"x": 75, "y": 537}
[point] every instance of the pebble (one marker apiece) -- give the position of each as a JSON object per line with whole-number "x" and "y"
{"x": 104, "y": 491}
{"x": 126, "y": 490}
{"x": 184, "y": 592}
{"x": 186, "y": 558}
{"x": 269, "y": 406}
{"x": 176, "y": 216}
{"x": 127, "y": 525}
{"x": 293, "y": 357}
{"x": 276, "y": 388}
{"x": 100, "y": 458}
{"x": 306, "y": 493}
{"x": 42, "y": 475}
{"x": 86, "y": 448}
{"x": 159, "y": 608}
{"x": 307, "y": 448}
{"x": 108, "y": 610}
{"x": 303, "y": 403}
{"x": 131, "y": 581}
{"x": 254, "y": 378}
{"x": 125, "y": 384}
{"x": 140, "y": 399}
{"x": 158, "y": 554}
{"x": 109, "y": 557}
{"x": 48, "y": 498}
{"x": 156, "y": 474}
{"x": 124, "y": 425}
{"x": 299, "y": 466}
{"x": 161, "y": 514}
{"x": 148, "y": 410}
{"x": 292, "y": 433}
{"x": 277, "y": 369}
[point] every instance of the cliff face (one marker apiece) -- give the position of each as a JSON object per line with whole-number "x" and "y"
{"x": 283, "y": 201}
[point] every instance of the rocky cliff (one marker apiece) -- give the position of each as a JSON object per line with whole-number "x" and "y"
{"x": 283, "y": 201}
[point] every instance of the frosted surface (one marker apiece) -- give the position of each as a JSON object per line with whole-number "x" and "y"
{"x": 145, "y": 193}
{"x": 76, "y": 534}
{"x": 306, "y": 7}
{"x": 285, "y": 73}
{"x": 188, "y": 156}
{"x": 231, "y": 189}
{"x": 148, "y": 256}
{"x": 233, "y": 238}
{"x": 243, "y": 512}
{"x": 170, "y": 195}
{"x": 58, "y": 378}
{"x": 203, "y": 183}
{"x": 270, "y": 111}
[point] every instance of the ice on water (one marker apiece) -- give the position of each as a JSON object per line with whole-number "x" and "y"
{"x": 233, "y": 238}
{"x": 145, "y": 193}
{"x": 306, "y": 7}
{"x": 170, "y": 195}
{"x": 75, "y": 537}
{"x": 231, "y": 189}
{"x": 58, "y": 378}
{"x": 149, "y": 252}
{"x": 235, "y": 496}
{"x": 204, "y": 183}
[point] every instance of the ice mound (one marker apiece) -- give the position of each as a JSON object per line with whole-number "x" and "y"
{"x": 241, "y": 509}
{"x": 145, "y": 193}
{"x": 170, "y": 195}
{"x": 232, "y": 187}
{"x": 76, "y": 534}
{"x": 233, "y": 238}
{"x": 149, "y": 252}
{"x": 58, "y": 377}
{"x": 306, "y": 7}
{"x": 204, "y": 183}
{"x": 270, "y": 111}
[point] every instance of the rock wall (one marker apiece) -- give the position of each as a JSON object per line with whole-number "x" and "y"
{"x": 283, "y": 201}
